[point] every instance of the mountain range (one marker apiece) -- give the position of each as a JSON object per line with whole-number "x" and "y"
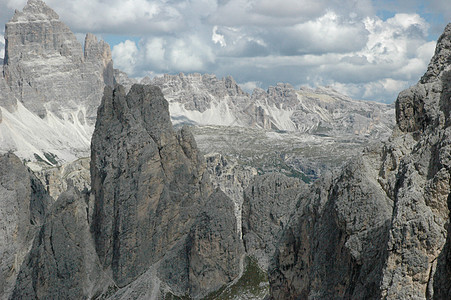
{"x": 105, "y": 192}
{"x": 52, "y": 86}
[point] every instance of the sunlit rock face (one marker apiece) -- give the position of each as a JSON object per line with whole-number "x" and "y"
{"x": 152, "y": 195}
{"x": 51, "y": 86}
{"x": 378, "y": 228}
{"x": 24, "y": 203}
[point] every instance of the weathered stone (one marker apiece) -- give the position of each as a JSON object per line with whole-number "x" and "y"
{"x": 47, "y": 73}
{"x": 57, "y": 180}
{"x": 150, "y": 190}
{"x": 206, "y": 100}
{"x": 330, "y": 248}
{"x": 378, "y": 228}
{"x": 213, "y": 248}
{"x": 62, "y": 263}
{"x": 23, "y": 205}
{"x": 232, "y": 178}
{"x": 269, "y": 200}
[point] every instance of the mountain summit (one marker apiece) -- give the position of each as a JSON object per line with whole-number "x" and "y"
{"x": 51, "y": 86}
{"x": 379, "y": 229}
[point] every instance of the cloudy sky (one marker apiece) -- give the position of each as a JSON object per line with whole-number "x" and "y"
{"x": 366, "y": 49}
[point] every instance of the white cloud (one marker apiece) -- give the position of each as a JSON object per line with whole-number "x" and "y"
{"x": 2, "y": 46}
{"x": 161, "y": 55}
{"x": 155, "y": 52}
{"x": 125, "y": 56}
{"x": 262, "y": 42}
{"x": 328, "y": 33}
{"x": 250, "y": 86}
{"x": 383, "y": 90}
{"x": 218, "y": 38}
{"x": 117, "y": 16}
{"x": 190, "y": 54}
{"x": 269, "y": 13}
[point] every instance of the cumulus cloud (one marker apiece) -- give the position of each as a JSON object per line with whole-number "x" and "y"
{"x": 250, "y": 86}
{"x": 115, "y": 16}
{"x": 2, "y": 46}
{"x": 269, "y": 13}
{"x": 162, "y": 55}
{"x": 327, "y": 33}
{"x": 124, "y": 56}
{"x": 368, "y": 49}
{"x": 218, "y": 38}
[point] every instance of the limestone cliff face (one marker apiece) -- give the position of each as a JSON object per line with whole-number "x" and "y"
{"x": 152, "y": 195}
{"x": 378, "y": 228}
{"x": 207, "y": 100}
{"x": 50, "y": 86}
{"x": 45, "y": 65}
{"x": 153, "y": 224}
{"x": 232, "y": 178}
{"x": 269, "y": 200}
{"x": 58, "y": 179}
{"x": 62, "y": 264}
{"x": 23, "y": 205}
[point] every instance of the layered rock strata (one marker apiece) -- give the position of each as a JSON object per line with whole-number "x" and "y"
{"x": 378, "y": 228}
{"x": 63, "y": 264}
{"x": 50, "y": 86}
{"x": 269, "y": 200}
{"x": 24, "y": 203}
{"x": 152, "y": 195}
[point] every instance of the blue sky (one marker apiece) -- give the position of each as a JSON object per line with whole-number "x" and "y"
{"x": 366, "y": 49}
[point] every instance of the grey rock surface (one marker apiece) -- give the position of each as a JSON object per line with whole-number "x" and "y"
{"x": 206, "y": 100}
{"x": 151, "y": 191}
{"x": 47, "y": 73}
{"x": 121, "y": 78}
{"x": 62, "y": 263}
{"x": 378, "y": 228}
{"x": 269, "y": 200}
{"x": 232, "y": 178}
{"x": 43, "y": 55}
{"x": 58, "y": 179}
{"x": 213, "y": 248}
{"x": 23, "y": 205}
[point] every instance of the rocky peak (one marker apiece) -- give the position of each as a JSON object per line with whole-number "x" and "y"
{"x": 37, "y": 31}
{"x": 47, "y": 74}
{"x": 377, "y": 229}
{"x": 442, "y": 57}
{"x": 427, "y": 102}
{"x": 152, "y": 195}
{"x": 99, "y": 53}
{"x": 232, "y": 87}
{"x": 35, "y": 10}
{"x": 24, "y": 203}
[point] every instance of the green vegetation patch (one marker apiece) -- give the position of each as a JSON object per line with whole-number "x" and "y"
{"x": 51, "y": 157}
{"x": 252, "y": 285}
{"x": 39, "y": 159}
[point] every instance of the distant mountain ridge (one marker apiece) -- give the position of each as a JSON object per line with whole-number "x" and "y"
{"x": 379, "y": 228}
{"x": 206, "y": 100}
{"x": 50, "y": 87}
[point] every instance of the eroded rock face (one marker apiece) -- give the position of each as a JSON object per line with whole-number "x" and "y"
{"x": 151, "y": 194}
{"x": 232, "y": 178}
{"x": 45, "y": 65}
{"x": 207, "y": 100}
{"x": 378, "y": 228}
{"x": 269, "y": 200}
{"x": 50, "y": 86}
{"x": 57, "y": 180}
{"x": 23, "y": 205}
{"x": 62, "y": 263}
